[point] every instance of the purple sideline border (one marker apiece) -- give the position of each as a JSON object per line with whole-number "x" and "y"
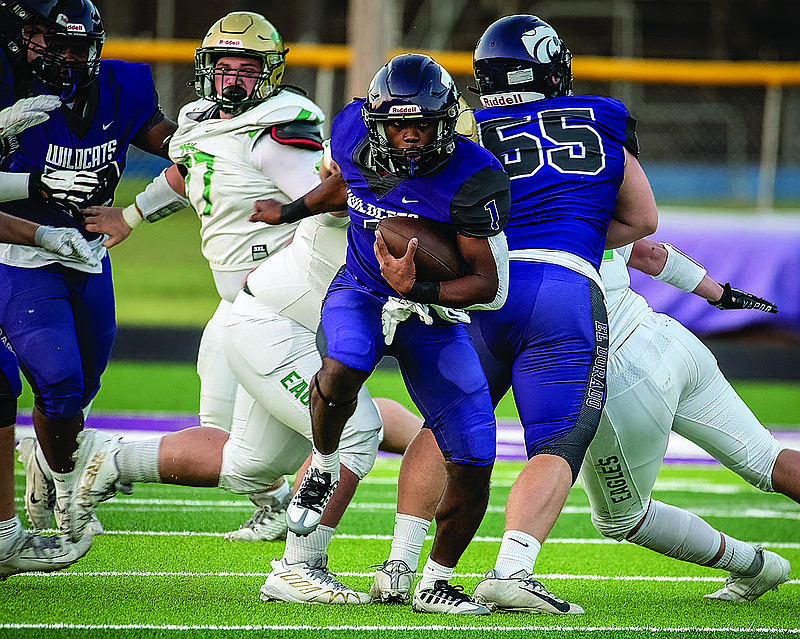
{"x": 510, "y": 444}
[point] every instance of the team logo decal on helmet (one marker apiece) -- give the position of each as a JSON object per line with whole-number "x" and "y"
{"x": 411, "y": 87}
{"x": 59, "y": 41}
{"x": 240, "y": 34}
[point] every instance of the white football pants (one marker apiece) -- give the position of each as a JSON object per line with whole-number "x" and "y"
{"x": 663, "y": 378}
{"x": 274, "y": 359}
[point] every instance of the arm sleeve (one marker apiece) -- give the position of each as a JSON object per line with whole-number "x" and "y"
{"x": 292, "y": 169}
{"x": 631, "y": 139}
{"x": 480, "y": 206}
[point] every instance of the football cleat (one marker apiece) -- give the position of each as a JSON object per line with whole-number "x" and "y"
{"x": 521, "y": 593}
{"x": 393, "y": 582}
{"x": 448, "y": 599}
{"x": 37, "y": 553}
{"x": 40, "y": 491}
{"x": 774, "y": 571}
{"x": 308, "y": 503}
{"x": 308, "y": 582}
{"x": 96, "y": 468}
{"x": 268, "y": 523}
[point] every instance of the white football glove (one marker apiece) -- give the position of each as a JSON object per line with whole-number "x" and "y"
{"x": 70, "y": 186}
{"x": 396, "y": 310}
{"x": 26, "y": 113}
{"x": 67, "y": 243}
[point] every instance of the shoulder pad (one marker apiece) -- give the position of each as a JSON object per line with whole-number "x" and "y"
{"x": 301, "y": 133}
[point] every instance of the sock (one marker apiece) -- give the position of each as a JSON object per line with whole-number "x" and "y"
{"x": 433, "y": 572}
{"x": 9, "y": 531}
{"x": 409, "y": 535}
{"x": 326, "y": 463}
{"x": 677, "y": 533}
{"x": 739, "y": 558}
{"x": 304, "y": 548}
{"x": 138, "y": 461}
{"x": 518, "y": 552}
{"x": 271, "y": 497}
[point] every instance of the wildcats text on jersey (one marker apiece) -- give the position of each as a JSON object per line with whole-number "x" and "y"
{"x": 64, "y": 157}
{"x": 357, "y": 204}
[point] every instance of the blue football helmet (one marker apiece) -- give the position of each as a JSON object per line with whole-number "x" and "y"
{"x": 411, "y": 86}
{"x": 71, "y": 26}
{"x": 522, "y": 53}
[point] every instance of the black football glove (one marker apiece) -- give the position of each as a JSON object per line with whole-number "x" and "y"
{"x": 734, "y": 298}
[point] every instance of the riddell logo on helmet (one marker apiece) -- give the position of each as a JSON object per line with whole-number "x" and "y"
{"x": 76, "y": 28}
{"x": 407, "y": 108}
{"x": 227, "y": 42}
{"x": 502, "y": 99}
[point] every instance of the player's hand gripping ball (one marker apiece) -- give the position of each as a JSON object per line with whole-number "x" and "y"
{"x": 437, "y": 258}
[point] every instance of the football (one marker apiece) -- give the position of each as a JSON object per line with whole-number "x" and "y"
{"x": 437, "y": 259}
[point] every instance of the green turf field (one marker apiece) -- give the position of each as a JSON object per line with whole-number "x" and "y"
{"x": 163, "y": 570}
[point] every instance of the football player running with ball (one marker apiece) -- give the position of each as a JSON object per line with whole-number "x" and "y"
{"x": 576, "y": 186}
{"x": 57, "y": 311}
{"x": 399, "y": 154}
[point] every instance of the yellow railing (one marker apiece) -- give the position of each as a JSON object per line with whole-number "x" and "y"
{"x": 460, "y": 63}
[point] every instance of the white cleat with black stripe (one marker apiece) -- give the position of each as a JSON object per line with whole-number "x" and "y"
{"x": 521, "y": 593}
{"x": 445, "y": 598}
{"x": 774, "y": 571}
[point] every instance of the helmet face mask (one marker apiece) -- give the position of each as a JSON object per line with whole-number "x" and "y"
{"x": 411, "y": 88}
{"x": 243, "y": 35}
{"x": 522, "y": 53}
{"x": 59, "y": 41}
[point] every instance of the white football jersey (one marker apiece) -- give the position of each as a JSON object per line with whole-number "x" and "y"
{"x": 294, "y": 281}
{"x": 226, "y": 177}
{"x": 625, "y": 308}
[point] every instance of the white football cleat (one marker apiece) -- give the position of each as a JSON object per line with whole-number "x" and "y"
{"x": 97, "y": 470}
{"x": 447, "y": 599}
{"x": 393, "y": 582}
{"x": 40, "y": 491}
{"x": 37, "y": 553}
{"x": 308, "y": 582}
{"x": 308, "y": 503}
{"x": 268, "y": 523}
{"x": 774, "y": 571}
{"x": 521, "y": 593}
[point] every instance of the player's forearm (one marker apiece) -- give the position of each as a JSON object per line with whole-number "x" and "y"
{"x": 162, "y": 197}
{"x": 15, "y": 230}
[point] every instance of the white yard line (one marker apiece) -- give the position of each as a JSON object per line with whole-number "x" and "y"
{"x": 403, "y": 628}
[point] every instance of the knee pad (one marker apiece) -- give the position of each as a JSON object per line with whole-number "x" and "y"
{"x": 243, "y": 472}
{"x": 60, "y": 406}
{"x": 618, "y": 526}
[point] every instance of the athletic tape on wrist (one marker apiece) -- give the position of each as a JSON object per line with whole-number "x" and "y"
{"x": 133, "y": 216}
{"x": 680, "y": 270}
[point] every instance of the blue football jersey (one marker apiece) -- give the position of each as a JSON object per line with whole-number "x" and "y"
{"x": 469, "y": 191}
{"x": 121, "y": 103}
{"x": 565, "y": 161}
